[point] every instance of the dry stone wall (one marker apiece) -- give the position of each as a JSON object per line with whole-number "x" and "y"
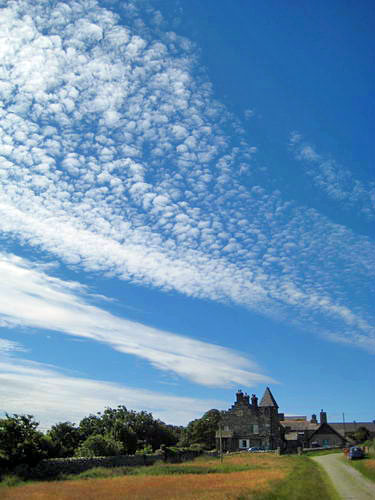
{"x": 56, "y": 466}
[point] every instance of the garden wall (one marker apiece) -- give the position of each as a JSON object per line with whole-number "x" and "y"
{"x": 54, "y": 467}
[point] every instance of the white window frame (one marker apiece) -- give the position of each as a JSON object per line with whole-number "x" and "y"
{"x": 242, "y": 441}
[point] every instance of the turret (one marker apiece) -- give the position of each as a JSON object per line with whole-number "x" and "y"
{"x": 268, "y": 400}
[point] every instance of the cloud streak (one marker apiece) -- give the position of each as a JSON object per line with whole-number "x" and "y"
{"x": 30, "y": 297}
{"x": 52, "y": 396}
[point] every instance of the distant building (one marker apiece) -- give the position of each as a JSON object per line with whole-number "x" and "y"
{"x": 301, "y": 432}
{"x": 249, "y": 424}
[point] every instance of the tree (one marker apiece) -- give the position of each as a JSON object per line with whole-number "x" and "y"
{"x": 361, "y": 434}
{"x": 20, "y": 441}
{"x": 135, "y": 430}
{"x": 91, "y": 425}
{"x": 202, "y": 430}
{"x": 112, "y": 423}
{"x": 100, "y": 446}
{"x": 65, "y": 437}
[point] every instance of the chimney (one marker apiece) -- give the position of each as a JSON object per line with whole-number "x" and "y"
{"x": 314, "y": 419}
{"x": 254, "y": 401}
{"x": 323, "y": 417}
{"x": 246, "y": 398}
{"x": 239, "y": 396}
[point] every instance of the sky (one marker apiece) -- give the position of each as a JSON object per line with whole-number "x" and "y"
{"x": 187, "y": 206}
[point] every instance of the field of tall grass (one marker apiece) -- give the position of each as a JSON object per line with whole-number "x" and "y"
{"x": 240, "y": 476}
{"x": 366, "y": 465}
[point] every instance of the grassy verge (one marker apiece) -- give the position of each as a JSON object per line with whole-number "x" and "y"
{"x": 306, "y": 481}
{"x": 365, "y": 466}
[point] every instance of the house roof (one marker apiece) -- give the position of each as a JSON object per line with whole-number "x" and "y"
{"x": 352, "y": 426}
{"x": 268, "y": 399}
{"x": 323, "y": 427}
{"x": 299, "y": 425}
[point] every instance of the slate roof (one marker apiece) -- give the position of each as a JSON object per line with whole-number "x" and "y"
{"x": 352, "y": 426}
{"x": 299, "y": 425}
{"x": 268, "y": 399}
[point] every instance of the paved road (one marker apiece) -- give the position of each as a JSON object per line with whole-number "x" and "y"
{"x": 349, "y": 483}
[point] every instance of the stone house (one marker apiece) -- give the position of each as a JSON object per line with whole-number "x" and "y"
{"x": 308, "y": 434}
{"x": 248, "y": 424}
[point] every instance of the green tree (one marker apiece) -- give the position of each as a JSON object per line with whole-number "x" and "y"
{"x": 91, "y": 425}
{"x": 361, "y": 434}
{"x": 20, "y": 441}
{"x": 113, "y": 423}
{"x": 100, "y": 446}
{"x": 202, "y": 431}
{"x": 135, "y": 430}
{"x": 65, "y": 437}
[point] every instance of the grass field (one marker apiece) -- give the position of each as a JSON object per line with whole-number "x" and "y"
{"x": 241, "y": 476}
{"x": 366, "y": 466}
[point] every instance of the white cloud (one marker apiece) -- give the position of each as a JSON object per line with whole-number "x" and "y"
{"x": 335, "y": 180}
{"x": 9, "y": 346}
{"x": 31, "y": 298}
{"x": 249, "y": 113}
{"x": 52, "y": 396}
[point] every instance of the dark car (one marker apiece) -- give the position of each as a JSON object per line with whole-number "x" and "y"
{"x": 355, "y": 452}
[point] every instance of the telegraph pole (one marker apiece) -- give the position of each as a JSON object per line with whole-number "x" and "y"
{"x": 221, "y": 442}
{"x": 343, "y": 421}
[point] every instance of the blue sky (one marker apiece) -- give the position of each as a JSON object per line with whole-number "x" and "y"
{"x": 187, "y": 206}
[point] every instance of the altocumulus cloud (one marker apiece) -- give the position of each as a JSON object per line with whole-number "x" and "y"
{"x": 116, "y": 158}
{"x": 31, "y": 298}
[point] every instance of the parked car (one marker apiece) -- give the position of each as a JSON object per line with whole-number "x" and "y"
{"x": 255, "y": 449}
{"x": 355, "y": 452}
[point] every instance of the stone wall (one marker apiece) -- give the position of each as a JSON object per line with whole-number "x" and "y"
{"x": 54, "y": 467}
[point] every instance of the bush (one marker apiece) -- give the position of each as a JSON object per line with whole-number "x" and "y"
{"x": 100, "y": 446}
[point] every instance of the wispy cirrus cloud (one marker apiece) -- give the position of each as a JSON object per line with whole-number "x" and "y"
{"x": 333, "y": 179}
{"x": 53, "y": 396}
{"x": 116, "y": 158}
{"x": 31, "y": 298}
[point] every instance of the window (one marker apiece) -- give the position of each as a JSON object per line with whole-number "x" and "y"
{"x": 325, "y": 442}
{"x": 256, "y": 429}
{"x": 226, "y": 428}
{"x": 244, "y": 443}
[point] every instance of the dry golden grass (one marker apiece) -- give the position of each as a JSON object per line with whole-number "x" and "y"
{"x": 370, "y": 463}
{"x": 184, "y": 487}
